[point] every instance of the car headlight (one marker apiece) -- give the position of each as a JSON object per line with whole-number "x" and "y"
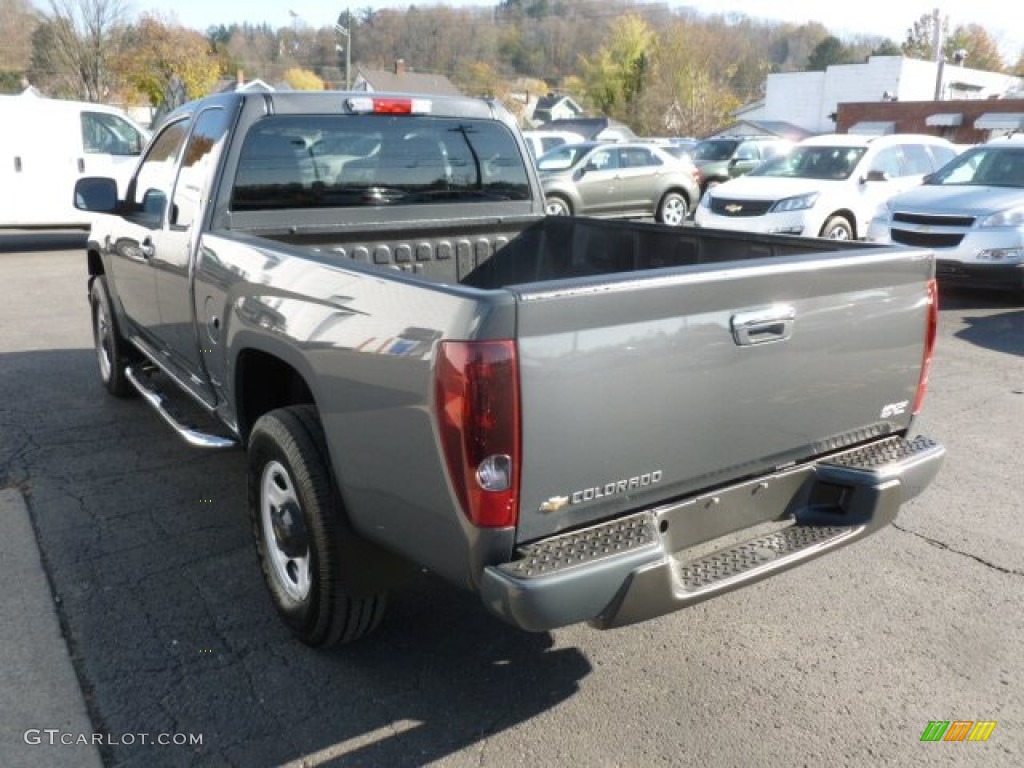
{"x": 798, "y": 203}
{"x": 1013, "y": 217}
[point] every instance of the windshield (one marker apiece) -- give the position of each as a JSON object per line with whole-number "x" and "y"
{"x": 813, "y": 163}
{"x": 560, "y": 158}
{"x": 715, "y": 149}
{"x": 327, "y": 161}
{"x": 989, "y": 166}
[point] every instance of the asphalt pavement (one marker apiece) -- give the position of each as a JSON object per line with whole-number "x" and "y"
{"x": 147, "y": 574}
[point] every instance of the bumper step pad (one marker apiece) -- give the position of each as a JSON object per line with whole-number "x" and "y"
{"x": 734, "y": 561}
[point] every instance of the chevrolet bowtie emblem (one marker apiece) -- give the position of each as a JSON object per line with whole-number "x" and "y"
{"x": 554, "y": 504}
{"x": 734, "y": 207}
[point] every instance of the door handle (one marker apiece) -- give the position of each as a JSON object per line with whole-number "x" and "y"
{"x": 761, "y": 326}
{"x": 147, "y": 248}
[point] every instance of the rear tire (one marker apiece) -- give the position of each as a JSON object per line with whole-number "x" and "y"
{"x": 113, "y": 353}
{"x": 837, "y": 228}
{"x": 305, "y": 544}
{"x": 673, "y": 209}
{"x": 557, "y": 206}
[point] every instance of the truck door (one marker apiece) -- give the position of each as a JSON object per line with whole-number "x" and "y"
{"x": 141, "y": 241}
{"x": 173, "y": 260}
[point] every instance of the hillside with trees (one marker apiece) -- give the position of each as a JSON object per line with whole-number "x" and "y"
{"x": 658, "y": 69}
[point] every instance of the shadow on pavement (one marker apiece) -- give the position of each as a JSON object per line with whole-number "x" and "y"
{"x": 147, "y": 546}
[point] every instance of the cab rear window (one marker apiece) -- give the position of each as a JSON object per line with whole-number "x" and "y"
{"x": 327, "y": 161}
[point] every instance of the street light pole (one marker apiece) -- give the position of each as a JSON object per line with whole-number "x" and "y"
{"x": 345, "y": 30}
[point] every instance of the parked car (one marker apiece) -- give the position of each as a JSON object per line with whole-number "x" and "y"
{"x": 826, "y": 186}
{"x": 970, "y": 213}
{"x": 726, "y": 158}
{"x": 540, "y": 141}
{"x": 46, "y": 145}
{"x": 623, "y": 180}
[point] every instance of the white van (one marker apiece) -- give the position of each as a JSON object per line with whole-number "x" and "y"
{"x": 826, "y": 186}
{"x": 46, "y": 145}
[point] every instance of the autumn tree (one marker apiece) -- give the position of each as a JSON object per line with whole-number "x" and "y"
{"x": 18, "y": 20}
{"x": 74, "y": 47}
{"x": 981, "y": 49}
{"x": 303, "y": 80}
{"x": 159, "y": 52}
{"x": 688, "y": 92}
{"x": 615, "y": 76}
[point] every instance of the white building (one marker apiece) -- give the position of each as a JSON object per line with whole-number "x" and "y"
{"x": 809, "y": 99}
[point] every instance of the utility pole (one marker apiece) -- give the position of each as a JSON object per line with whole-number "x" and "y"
{"x": 940, "y": 60}
{"x": 345, "y": 31}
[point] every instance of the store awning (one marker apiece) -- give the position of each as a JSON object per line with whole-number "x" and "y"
{"x": 872, "y": 128}
{"x": 999, "y": 121}
{"x": 945, "y": 119}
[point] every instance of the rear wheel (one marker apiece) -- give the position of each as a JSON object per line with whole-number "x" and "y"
{"x": 837, "y": 228}
{"x": 557, "y": 206}
{"x": 112, "y": 351}
{"x": 303, "y": 538}
{"x": 673, "y": 209}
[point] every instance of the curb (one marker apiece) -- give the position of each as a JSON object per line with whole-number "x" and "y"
{"x": 39, "y": 690}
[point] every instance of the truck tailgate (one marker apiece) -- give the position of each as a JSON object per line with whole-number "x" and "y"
{"x": 640, "y": 389}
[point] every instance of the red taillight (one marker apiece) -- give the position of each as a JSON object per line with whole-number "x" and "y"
{"x": 477, "y": 401}
{"x": 931, "y": 331}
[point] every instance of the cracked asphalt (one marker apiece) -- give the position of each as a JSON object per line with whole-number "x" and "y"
{"x": 842, "y": 662}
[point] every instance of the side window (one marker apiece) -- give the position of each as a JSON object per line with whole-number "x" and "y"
{"x": 916, "y": 160}
{"x": 747, "y": 151}
{"x": 637, "y": 157}
{"x": 201, "y": 154}
{"x": 104, "y": 134}
{"x": 150, "y": 190}
{"x": 888, "y": 162}
{"x": 603, "y": 160}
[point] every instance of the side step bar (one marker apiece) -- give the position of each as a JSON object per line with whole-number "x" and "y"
{"x": 163, "y": 406}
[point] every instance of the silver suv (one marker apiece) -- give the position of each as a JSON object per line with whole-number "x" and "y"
{"x": 970, "y": 213}
{"x": 622, "y": 180}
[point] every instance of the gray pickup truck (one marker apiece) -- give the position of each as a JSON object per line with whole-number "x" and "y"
{"x": 578, "y": 420}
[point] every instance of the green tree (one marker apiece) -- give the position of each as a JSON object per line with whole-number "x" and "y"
{"x": 887, "y": 48}
{"x": 614, "y": 76}
{"x": 826, "y": 53}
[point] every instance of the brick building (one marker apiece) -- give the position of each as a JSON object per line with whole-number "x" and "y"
{"x": 961, "y": 121}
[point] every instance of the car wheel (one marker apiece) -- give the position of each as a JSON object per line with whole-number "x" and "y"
{"x": 673, "y": 210}
{"x": 557, "y": 206}
{"x": 837, "y": 228}
{"x": 112, "y": 351}
{"x": 301, "y": 531}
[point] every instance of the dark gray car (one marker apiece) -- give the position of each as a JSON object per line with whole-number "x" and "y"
{"x": 624, "y": 180}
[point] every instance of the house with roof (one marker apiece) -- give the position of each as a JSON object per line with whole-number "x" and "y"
{"x": 555, "y": 106}
{"x": 401, "y": 79}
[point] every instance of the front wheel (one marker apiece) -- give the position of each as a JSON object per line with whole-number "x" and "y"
{"x": 837, "y": 228}
{"x": 557, "y": 206}
{"x": 673, "y": 210}
{"x": 302, "y": 535}
{"x": 112, "y": 351}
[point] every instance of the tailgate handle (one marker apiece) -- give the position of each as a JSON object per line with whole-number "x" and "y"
{"x": 761, "y": 326}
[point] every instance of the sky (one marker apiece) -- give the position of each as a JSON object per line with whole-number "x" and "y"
{"x": 844, "y": 18}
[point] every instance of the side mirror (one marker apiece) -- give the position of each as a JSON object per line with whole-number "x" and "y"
{"x": 876, "y": 175}
{"x": 96, "y": 194}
